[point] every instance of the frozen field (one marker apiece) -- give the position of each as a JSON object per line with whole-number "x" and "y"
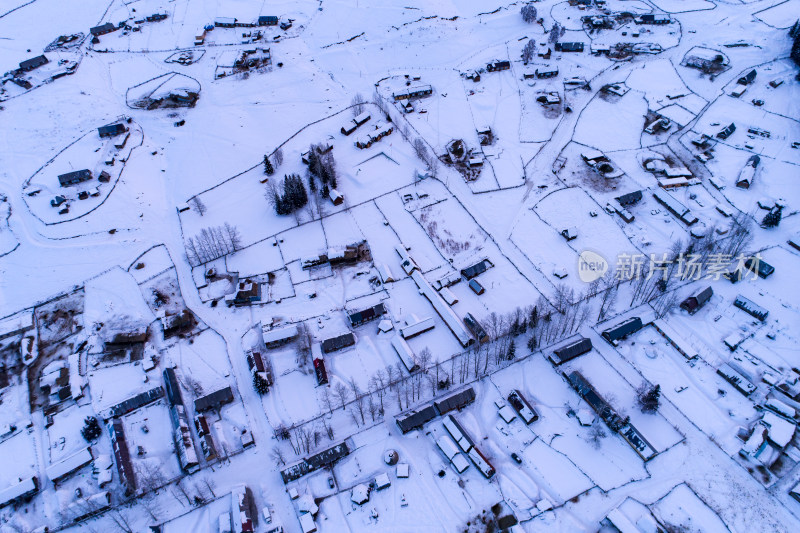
{"x": 483, "y": 245}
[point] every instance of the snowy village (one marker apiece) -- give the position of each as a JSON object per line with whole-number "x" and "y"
{"x": 348, "y": 266}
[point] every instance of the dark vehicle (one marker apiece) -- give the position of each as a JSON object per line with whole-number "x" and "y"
{"x": 517, "y": 458}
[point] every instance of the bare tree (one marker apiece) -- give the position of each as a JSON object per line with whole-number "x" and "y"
{"x": 120, "y": 519}
{"x": 278, "y": 157}
{"x": 198, "y": 205}
{"x": 378, "y": 101}
{"x": 277, "y": 455}
{"x": 596, "y": 434}
{"x": 342, "y": 393}
{"x": 149, "y": 477}
{"x": 528, "y": 51}
{"x": 212, "y": 243}
{"x": 424, "y": 359}
{"x": 327, "y": 401}
{"x": 358, "y": 102}
{"x": 358, "y": 399}
{"x": 372, "y": 407}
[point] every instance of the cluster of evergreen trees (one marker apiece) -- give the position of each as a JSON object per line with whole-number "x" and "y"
{"x": 294, "y": 195}
{"x": 321, "y": 165}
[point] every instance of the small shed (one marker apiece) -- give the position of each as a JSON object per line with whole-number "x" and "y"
{"x": 336, "y": 197}
{"x": 694, "y": 303}
{"x": 382, "y": 481}
{"x": 402, "y": 470}
{"x": 386, "y": 273}
{"x": 360, "y": 494}
{"x": 570, "y": 233}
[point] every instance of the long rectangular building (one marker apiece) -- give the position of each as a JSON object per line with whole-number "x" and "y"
{"x": 571, "y": 351}
{"x": 750, "y": 308}
{"x": 675, "y": 207}
{"x": 122, "y": 456}
{"x": 445, "y": 311}
{"x": 404, "y": 353}
{"x": 61, "y": 469}
{"x": 418, "y": 327}
{"x": 455, "y": 401}
{"x": 411, "y": 420}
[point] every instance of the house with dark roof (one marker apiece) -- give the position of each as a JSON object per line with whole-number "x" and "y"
{"x": 654, "y": 19}
{"x": 32, "y": 63}
{"x": 339, "y": 342}
{"x": 172, "y": 386}
{"x": 371, "y": 313}
{"x": 475, "y": 328}
{"x": 267, "y": 20}
{"x": 748, "y": 78}
{"x": 131, "y": 404}
{"x": 111, "y": 130}
{"x": 478, "y": 268}
{"x": 750, "y": 308}
{"x": 571, "y": 351}
{"x": 727, "y": 131}
{"x": 74, "y": 177}
{"x": 122, "y": 456}
{"x": 415, "y": 419}
{"x": 102, "y": 29}
{"x": 214, "y": 400}
{"x": 681, "y": 212}
{"x": 497, "y": 66}
{"x": 569, "y": 47}
{"x": 694, "y": 303}
{"x": 759, "y": 266}
{"x": 629, "y": 198}
{"x": 455, "y": 401}
{"x": 737, "y": 380}
{"x": 622, "y": 330}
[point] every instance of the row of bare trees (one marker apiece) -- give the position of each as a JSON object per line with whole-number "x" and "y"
{"x": 212, "y": 243}
{"x": 393, "y": 389}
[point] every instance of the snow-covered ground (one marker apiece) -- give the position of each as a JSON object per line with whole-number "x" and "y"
{"x": 133, "y": 279}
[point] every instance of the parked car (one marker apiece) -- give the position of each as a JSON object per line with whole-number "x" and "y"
{"x": 517, "y": 458}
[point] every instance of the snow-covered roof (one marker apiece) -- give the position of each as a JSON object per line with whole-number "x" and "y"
{"x": 781, "y": 430}
{"x": 61, "y": 469}
{"x": 382, "y": 480}
{"x": 360, "y": 494}
{"x": 402, "y": 470}
{"x": 280, "y": 334}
